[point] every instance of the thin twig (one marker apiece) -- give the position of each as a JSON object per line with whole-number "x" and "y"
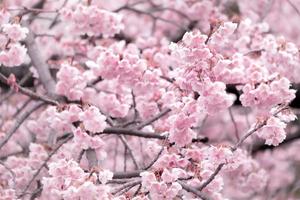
{"x": 138, "y": 133}
{"x": 28, "y": 92}
{"x": 39, "y": 63}
{"x": 92, "y": 158}
{"x": 11, "y": 91}
{"x": 20, "y": 119}
{"x": 44, "y": 164}
{"x": 123, "y": 139}
{"x": 235, "y": 147}
{"x": 294, "y": 7}
{"x": 80, "y": 155}
{"x": 10, "y": 171}
{"x": 155, "y": 159}
{"x": 154, "y": 118}
{"x": 192, "y": 190}
{"x": 127, "y": 185}
{"x": 236, "y": 131}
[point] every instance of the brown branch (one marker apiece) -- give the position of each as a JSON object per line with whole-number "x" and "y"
{"x": 136, "y": 173}
{"x": 80, "y": 155}
{"x": 26, "y": 10}
{"x": 123, "y": 175}
{"x": 294, "y": 7}
{"x": 234, "y": 148}
{"x": 11, "y": 91}
{"x": 29, "y": 93}
{"x": 236, "y": 131}
{"x": 44, "y": 164}
{"x": 92, "y": 158}
{"x": 39, "y": 63}
{"x": 261, "y": 146}
{"x": 212, "y": 177}
{"x": 10, "y": 171}
{"x": 138, "y": 133}
{"x": 154, "y": 160}
{"x": 154, "y": 118}
{"x": 155, "y": 18}
{"x": 131, "y": 132}
{"x": 20, "y": 119}
{"x": 19, "y": 110}
{"x": 192, "y": 190}
{"x": 124, "y": 141}
{"x": 125, "y": 186}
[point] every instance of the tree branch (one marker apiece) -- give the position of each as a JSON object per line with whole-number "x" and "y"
{"x": 262, "y": 147}
{"x": 137, "y": 133}
{"x": 28, "y": 92}
{"x": 44, "y": 164}
{"x": 39, "y": 63}
{"x": 20, "y": 119}
{"x": 192, "y": 190}
{"x": 154, "y": 118}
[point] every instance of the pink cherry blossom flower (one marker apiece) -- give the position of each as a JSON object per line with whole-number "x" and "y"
{"x": 93, "y": 120}
{"x": 273, "y": 132}
{"x": 105, "y": 175}
{"x": 15, "y": 32}
{"x": 14, "y": 56}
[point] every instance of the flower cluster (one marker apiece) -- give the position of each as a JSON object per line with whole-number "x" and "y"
{"x": 157, "y": 99}
{"x": 93, "y": 20}
{"x": 12, "y": 52}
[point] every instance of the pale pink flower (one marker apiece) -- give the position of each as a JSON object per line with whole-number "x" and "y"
{"x": 15, "y": 32}
{"x": 181, "y": 132}
{"x": 219, "y": 155}
{"x": 214, "y": 98}
{"x": 4, "y": 16}
{"x": 273, "y": 132}
{"x": 105, "y": 176}
{"x": 112, "y": 106}
{"x": 93, "y": 120}
{"x": 71, "y": 82}
{"x": 14, "y": 56}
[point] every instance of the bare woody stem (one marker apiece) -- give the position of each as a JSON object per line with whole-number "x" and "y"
{"x": 44, "y": 164}
{"x": 234, "y": 148}
{"x": 39, "y": 63}
{"x": 29, "y": 93}
{"x": 20, "y": 119}
{"x": 138, "y": 133}
{"x": 192, "y": 190}
{"x": 153, "y": 119}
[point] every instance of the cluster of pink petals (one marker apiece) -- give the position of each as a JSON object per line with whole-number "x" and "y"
{"x": 273, "y": 132}
{"x": 85, "y": 141}
{"x": 109, "y": 65}
{"x": 7, "y": 194}
{"x": 106, "y": 65}
{"x": 93, "y": 120}
{"x": 93, "y": 20}
{"x": 230, "y": 71}
{"x": 14, "y": 56}
{"x": 12, "y": 52}
{"x": 128, "y": 82}
{"x": 70, "y": 82}
{"x": 110, "y": 105}
{"x": 251, "y": 176}
{"x": 180, "y": 131}
{"x": 221, "y": 38}
{"x": 160, "y": 189}
{"x": 266, "y": 95}
{"x": 68, "y": 181}
{"x": 14, "y": 31}
{"x": 214, "y": 98}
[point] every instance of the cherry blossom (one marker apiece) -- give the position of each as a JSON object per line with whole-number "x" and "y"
{"x": 15, "y": 32}
{"x": 141, "y": 100}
